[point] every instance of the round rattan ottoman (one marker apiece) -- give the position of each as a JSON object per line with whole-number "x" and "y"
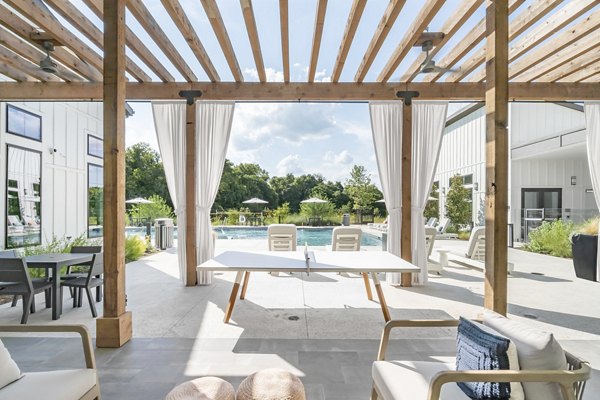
{"x": 271, "y": 384}
{"x": 207, "y": 388}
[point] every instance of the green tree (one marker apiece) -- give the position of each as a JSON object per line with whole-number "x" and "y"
{"x": 157, "y": 209}
{"x": 458, "y": 203}
{"x": 432, "y": 208}
{"x": 334, "y": 191}
{"x": 361, "y": 191}
{"x": 145, "y": 175}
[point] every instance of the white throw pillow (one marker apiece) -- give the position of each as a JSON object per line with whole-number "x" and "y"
{"x": 9, "y": 371}
{"x": 537, "y": 350}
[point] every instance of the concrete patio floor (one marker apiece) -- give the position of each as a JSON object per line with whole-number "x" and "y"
{"x": 321, "y": 327}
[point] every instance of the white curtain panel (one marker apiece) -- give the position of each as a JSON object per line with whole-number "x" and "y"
{"x": 592, "y": 128}
{"x": 428, "y": 122}
{"x": 386, "y": 126}
{"x": 169, "y": 122}
{"x": 213, "y": 124}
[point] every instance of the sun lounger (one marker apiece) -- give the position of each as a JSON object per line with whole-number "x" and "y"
{"x": 476, "y": 246}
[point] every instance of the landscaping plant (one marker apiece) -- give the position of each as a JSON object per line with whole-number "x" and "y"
{"x": 458, "y": 204}
{"x": 552, "y": 238}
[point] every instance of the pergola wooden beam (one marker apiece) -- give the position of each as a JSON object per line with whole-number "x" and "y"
{"x": 556, "y": 22}
{"x": 76, "y": 18}
{"x": 37, "y": 11}
{"x": 358, "y": 6}
{"x": 496, "y": 157}
{"x": 32, "y": 54}
{"x": 464, "y": 11}
{"x": 566, "y": 55}
{"x": 136, "y": 45}
{"x": 593, "y": 78}
{"x": 216, "y": 21}
{"x": 576, "y": 70}
{"x": 114, "y": 328}
{"x": 147, "y": 21}
{"x": 15, "y": 73}
{"x": 317, "y": 35}
{"x": 468, "y": 43}
{"x": 586, "y": 27}
{"x": 383, "y": 29}
{"x": 285, "y": 38}
{"x": 12, "y": 59}
{"x": 418, "y": 26}
{"x": 278, "y": 91}
{"x": 520, "y": 24}
{"x": 250, "y": 22}
{"x": 186, "y": 28}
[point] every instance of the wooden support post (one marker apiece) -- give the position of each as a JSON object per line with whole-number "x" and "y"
{"x": 114, "y": 328}
{"x": 190, "y": 194}
{"x": 496, "y": 103}
{"x": 405, "y": 233}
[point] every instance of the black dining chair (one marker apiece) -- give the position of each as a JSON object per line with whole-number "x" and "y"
{"x": 15, "y": 281}
{"x": 87, "y": 282}
{"x": 72, "y": 275}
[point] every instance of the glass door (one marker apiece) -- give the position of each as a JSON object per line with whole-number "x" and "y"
{"x": 539, "y": 205}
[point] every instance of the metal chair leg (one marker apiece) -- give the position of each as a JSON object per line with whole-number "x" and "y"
{"x": 14, "y": 301}
{"x": 27, "y": 303}
{"x": 91, "y": 301}
{"x": 48, "y": 296}
{"x": 79, "y": 296}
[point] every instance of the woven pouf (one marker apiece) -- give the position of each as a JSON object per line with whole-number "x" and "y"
{"x": 207, "y": 388}
{"x": 271, "y": 384}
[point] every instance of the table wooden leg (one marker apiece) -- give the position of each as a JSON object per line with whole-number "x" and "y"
{"x": 245, "y": 285}
{"x": 367, "y": 285}
{"x": 56, "y": 295}
{"x": 382, "y": 303}
{"x": 233, "y": 296}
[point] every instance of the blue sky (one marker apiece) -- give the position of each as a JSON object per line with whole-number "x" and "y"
{"x": 324, "y": 138}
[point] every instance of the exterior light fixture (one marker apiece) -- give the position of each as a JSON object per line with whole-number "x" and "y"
{"x": 589, "y": 190}
{"x": 573, "y": 180}
{"x": 476, "y": 186}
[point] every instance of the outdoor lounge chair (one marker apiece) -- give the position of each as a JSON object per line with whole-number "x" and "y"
{"x": 14, "y": 225}
{"x": 280, "y": 237}
{"x": 441, "y": 230}
{"x": 436, "y": 380}
{"x": 431, "y": 222}
{"x": 79, "y": 383}
{"x": 476, "y": 246}
{"x": 430, "y": 234}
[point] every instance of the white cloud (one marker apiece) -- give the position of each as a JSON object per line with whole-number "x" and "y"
{"x": 321, "y": 76}
{"x": 290, "y": 164}
{"x": 338, "y": 159}
{"x": 272, "y": 74}
{"x": 297, "y": 65}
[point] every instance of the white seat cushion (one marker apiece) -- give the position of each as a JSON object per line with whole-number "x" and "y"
{"x": 9, "y": 371}
{"x": 409, "y": 380}
{"x": 51, "y": 385}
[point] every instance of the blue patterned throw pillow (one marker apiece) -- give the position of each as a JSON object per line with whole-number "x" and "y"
{"x": 480, "y": 348}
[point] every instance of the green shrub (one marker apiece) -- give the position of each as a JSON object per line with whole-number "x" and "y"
{"x": 135, "y": 247}
{"x": 464, "y": 235}
{"x": 553, "y": 238}
{"x": 589, "y": 227}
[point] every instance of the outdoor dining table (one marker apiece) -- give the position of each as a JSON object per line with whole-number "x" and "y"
{"x": 54, "y": 262}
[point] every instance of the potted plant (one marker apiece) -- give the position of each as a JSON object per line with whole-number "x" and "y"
{"x": 585, "y": 249}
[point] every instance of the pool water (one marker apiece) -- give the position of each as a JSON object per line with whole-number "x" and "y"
{"x": 312, "y": 236}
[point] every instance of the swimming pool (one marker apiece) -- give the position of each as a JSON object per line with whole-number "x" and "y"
{"x": 312, "y": 236}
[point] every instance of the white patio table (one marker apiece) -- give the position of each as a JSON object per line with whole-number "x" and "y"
{"x": 372, "y": 262}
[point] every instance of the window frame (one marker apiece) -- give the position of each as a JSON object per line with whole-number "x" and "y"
{"x": 39, "y": 117}
{"x": 6, "y": 190}
{"x": 91, "y": 164}
{"x": 89, "y": 135}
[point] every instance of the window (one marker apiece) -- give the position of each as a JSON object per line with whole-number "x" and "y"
{"x": 95, "y": 200}
{"x": 467, "y": 180}
{"x": 23, "y": 123}
{"x": 95, "y": 146}
{"x": 23, "y": 197}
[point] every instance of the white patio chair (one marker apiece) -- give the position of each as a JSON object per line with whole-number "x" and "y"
{"x": 476, "y": 246}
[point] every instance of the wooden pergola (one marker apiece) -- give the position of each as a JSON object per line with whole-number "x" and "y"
{"x": 550, "y": 51}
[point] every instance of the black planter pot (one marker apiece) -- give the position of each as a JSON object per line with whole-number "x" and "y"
{"x": 585, "y": 254}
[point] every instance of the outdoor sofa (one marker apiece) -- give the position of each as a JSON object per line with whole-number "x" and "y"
{"x": 538, "y": 376}
{"x": 64, "y": 384}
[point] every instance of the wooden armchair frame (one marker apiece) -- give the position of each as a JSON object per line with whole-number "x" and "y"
{"x": 571, "y": 381}
{"x": 86, "y": 341}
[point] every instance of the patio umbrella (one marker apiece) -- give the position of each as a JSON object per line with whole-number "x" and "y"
{"x": 314, "y": 200}
{"x": 139, "y": 200}
{"x": 255, "y": 200}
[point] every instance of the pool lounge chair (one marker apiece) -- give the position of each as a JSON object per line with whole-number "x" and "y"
{"x": 441, "y": 230}
{"x": 280, "y": 237}
{"x": 14, "y": 225}
{"x": 476, "y": 246}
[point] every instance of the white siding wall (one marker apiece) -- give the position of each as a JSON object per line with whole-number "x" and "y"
{"x": 463, "y": 152}
{"x": 65, "y": 127}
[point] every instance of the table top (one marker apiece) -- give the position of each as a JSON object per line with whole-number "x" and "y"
{"x": 58, "y": 258}
{"x": 319, "y": 261}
